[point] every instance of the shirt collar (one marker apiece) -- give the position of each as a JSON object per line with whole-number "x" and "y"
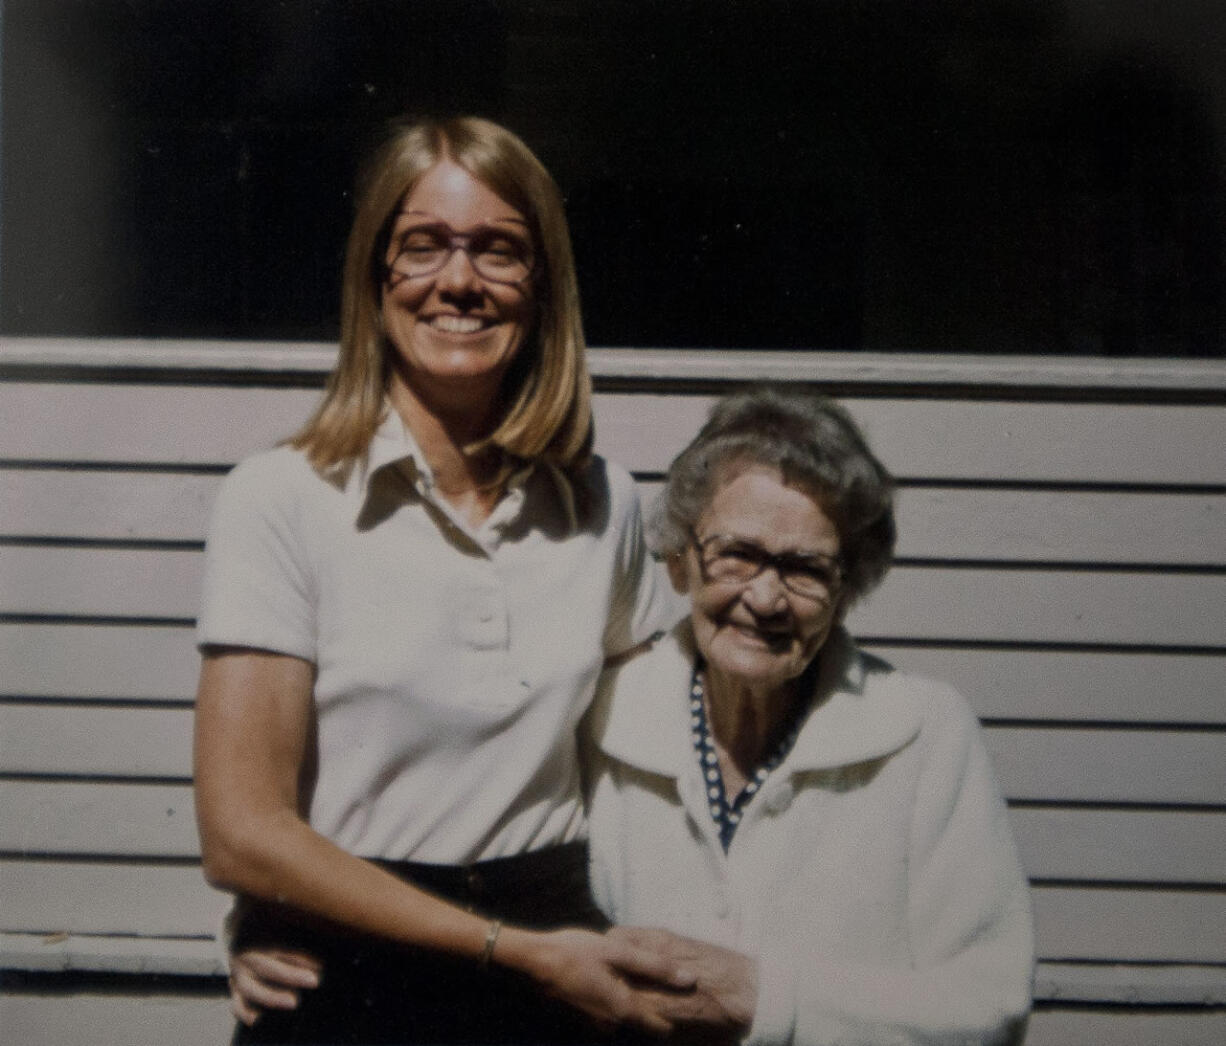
{"x": 853, "y": 719}
{"x": 394, "y": 446}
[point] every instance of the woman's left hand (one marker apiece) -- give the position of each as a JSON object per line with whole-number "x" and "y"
{"x": 726, "y": 993}
{"x": 269, "y": 979}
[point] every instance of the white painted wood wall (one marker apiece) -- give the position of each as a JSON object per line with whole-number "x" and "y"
{"x": 1062, "y": 560}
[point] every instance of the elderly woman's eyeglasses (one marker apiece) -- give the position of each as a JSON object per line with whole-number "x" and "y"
{"x": 733, "y": 560}
{"x": 496, "y": 255}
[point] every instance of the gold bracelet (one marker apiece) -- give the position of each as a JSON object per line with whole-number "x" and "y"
{"x": 491, "y": 938}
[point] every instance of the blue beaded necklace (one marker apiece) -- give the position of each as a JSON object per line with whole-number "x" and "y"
{"x": 726, "y": 814}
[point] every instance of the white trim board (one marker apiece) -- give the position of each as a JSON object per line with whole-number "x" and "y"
{"x": 654, "y": 364}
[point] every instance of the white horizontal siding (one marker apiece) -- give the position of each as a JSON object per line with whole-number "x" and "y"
{"x": 112, "y": 953}
{"x": 49, "y": 898}
{"x": 106, "y": 505}
{"x": 1056, "y": 763}
{"x": 159, "y": 662}
{"x": 935, "y": 438}
{"x": 1057, "y": 843}
{"x": 1004, "y": 604}
{"x": 946, "y": 523}
{"x": 960, "y": 439}
{"x": 153, "y": 1018}
{"x": 113, "y": 898}
{"x": 1116, "y": 686}
{"x": 256, "y": 361}
{"x": 1063, "y": 537}
{"x": 95, "y": 1019}
{"x": 87, "y": 661}
{"x": 1131, "y": 983}
{"x": 1088, "y": 1027}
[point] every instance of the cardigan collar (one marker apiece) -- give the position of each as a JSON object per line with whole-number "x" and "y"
{"x": 857, "y": 714}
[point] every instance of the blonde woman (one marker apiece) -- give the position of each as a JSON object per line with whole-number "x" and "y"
{"x": 405, "y": 612}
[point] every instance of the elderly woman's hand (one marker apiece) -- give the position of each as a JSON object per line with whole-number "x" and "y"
{"x": 725, "y": 995}
{"x": 269, "y": 979}
{"x": 615, "y": 980}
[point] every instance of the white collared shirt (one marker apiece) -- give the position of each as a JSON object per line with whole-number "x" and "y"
{"x": 453, "y": 663}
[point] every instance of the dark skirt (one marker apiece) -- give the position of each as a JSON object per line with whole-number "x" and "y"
{"x": 374, "y": 991}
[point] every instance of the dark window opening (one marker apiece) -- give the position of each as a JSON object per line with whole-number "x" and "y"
{"x": 1010, "y": 176}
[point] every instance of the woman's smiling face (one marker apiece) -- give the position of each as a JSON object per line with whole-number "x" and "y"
{"x": 758, "y": 633}
{"x": 454, "y": 331}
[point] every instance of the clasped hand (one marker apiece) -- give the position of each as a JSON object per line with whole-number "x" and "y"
{"x": 632, "y": 977}
{"x": 721, "y": 1004}
{"x": 652, "y": 980}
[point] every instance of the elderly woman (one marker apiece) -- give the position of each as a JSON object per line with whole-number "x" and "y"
{"x": 405, "y": 612}
{"x": 761, "y": 784}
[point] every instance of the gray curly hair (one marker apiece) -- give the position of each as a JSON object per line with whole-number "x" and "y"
{"x": 816, "y": 446}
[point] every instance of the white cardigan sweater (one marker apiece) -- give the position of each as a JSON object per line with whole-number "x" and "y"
{"x": 873, "y": 876}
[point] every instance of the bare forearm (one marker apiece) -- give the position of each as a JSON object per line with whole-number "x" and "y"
{"x": 280, "y": 858}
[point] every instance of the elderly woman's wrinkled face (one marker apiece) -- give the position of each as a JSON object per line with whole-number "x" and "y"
{"x": 760, "y": 632}
{"x": 458, "y": 299}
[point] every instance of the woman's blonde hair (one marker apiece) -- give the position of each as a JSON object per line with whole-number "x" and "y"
{"x": 547, "y": 391}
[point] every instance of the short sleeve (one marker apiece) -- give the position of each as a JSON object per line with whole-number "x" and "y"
{"x": 644, "y": 603}
{"x": 258, "y": 588}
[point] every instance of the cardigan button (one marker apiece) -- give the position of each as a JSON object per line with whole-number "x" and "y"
{"x": 779, "y": 799}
